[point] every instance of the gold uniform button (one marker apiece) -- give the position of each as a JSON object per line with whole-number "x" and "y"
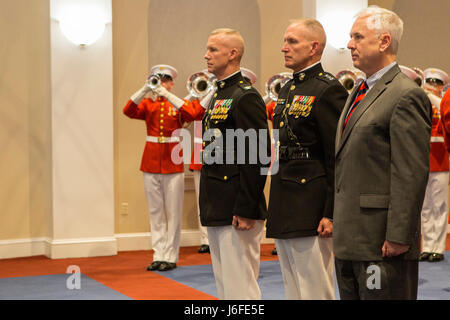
{"x": 161, "y": 127}
{"x": 204, "y": 144}
{"x": 161, "y": 121}
{"x": 225, "y": 178}
{"x": 162, "y": 103}
{"x": 162, "y": 109}
{"x": 321, "y": 74}
{"x": 281, "y": 124}
{"x": 215, "y": 95}
{"x": 303, "y": 181}
{"x": 292, "y": 87}
{"x": 161, "y": 134}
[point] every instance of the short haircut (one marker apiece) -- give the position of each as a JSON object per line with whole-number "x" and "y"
{"x": 316, "y": 31}
{"x": 384, "y": 21}
{"x": 238, "y": 42}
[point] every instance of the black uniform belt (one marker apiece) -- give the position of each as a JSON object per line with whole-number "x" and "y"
{"x": 294, "y": 153}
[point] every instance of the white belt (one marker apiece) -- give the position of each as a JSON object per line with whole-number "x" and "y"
{"x": 162, "y": 139}
{"x": 437, "y": 139}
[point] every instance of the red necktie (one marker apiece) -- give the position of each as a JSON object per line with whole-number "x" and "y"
{"x": 359, "y": 96}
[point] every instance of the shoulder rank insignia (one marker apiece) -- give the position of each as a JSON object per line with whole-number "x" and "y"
{"x": 327, "y": 76}
{"x": 221, "y": 108}
{"x": 301, "y": 106}
{"x": 244, "y": 86}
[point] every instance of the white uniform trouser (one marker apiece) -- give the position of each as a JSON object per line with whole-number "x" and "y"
{"x": 435, "y": 213}
{"x": 165, "y": 193}
{"x": 307, "y": 266}
{"x": 235, "y": 256}
{"x": 203, "y": 232}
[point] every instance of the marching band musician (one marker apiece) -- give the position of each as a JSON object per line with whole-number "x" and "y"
{"x": 195, "y": 111}
{"x": 163, "y": 180}
{"x": 435, "y": 206}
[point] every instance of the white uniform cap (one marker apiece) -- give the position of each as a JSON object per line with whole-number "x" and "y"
{"x": 419, "y": 72}
{"x": 246, "y": 73}
{"x": 409, "y": 72}
{"x": 434, "y": 73}
{"x": 164, "y": 69}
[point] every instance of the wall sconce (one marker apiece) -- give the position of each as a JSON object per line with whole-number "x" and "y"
{"x": 337, "y": 26}
{"x": 82, "y": 21}
{"x": 82, "y": 26}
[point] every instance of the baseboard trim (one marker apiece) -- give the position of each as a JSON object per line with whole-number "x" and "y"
{"x": 81, "y": 248}
{"x": 22, "y": 248}
{"x": 90, "y": 247}
{"x": 142, "y": 241}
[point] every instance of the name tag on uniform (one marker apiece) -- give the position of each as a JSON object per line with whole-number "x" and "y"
{"x": 221, "y": 108}
{"x": 301, "y": 106}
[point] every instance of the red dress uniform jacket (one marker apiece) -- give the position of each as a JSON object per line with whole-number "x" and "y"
{"x": 270, "y": 107}
{"x": 445, "y": 118}
{"x": 162, "y": 119}
{"x": 439, "y": 145}
{"x": 195, "y": 111}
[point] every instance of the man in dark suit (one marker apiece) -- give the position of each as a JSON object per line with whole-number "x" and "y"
{"x": 382, "y": 161}
{"x": 232, "y": 202}
{"x": 301, "y": 193}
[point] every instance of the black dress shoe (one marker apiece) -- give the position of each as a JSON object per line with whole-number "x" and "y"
{"x": 435, "y": 257}
{"x": 274, "y": 251}
{"x": 166, "y": 266}
{"x": 204, "y": 248}
{"x": 424, "y": 256}
{"x": 154, "y": 266}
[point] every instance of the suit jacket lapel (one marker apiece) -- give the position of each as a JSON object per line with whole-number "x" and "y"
{"x": 368, "y": 100}
{"x": 344, "y": 112}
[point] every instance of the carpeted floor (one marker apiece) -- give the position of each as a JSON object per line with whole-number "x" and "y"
{"x": 124, "y": 277}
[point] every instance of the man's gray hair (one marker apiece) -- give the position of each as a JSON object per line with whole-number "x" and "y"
{"x": 384, "y": 21}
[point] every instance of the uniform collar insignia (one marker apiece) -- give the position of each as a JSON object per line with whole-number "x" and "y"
{"x": 308, "y": 73}
{"x": 232, "y": 80}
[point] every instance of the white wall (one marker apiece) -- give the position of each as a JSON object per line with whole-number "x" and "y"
{"x": 337, "y": 19}
{"x": 82, "y": 144}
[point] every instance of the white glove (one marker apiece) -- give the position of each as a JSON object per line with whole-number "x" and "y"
{"x": 139, "y": 95}
{"x": 188, "y": 97}
{"x": 206, "y": 101}
{"x": 173, "y": 99}
{"x": 267, "y": 99}
{"x": 434, "y": 99}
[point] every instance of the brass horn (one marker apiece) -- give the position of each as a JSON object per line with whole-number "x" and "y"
{"x": 199, "y": 84}
{"x": 154, "y": 81}
{"x": 275, "y": 83}
{"x": 347, "y": 78}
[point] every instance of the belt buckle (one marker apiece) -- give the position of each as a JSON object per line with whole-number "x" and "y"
{"x": 161, "y": 139}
